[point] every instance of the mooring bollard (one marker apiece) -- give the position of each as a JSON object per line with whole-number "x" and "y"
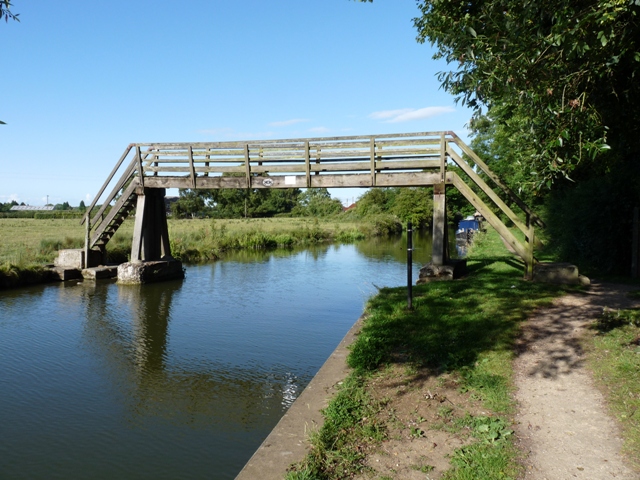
{"x": 409, "y": 265}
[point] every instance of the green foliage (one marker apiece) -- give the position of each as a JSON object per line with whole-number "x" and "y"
{"x": 614, "y": 357}
{"x": 414, "y": 204}
{"x": 350, "y": 424}
{"x": 409, "y": 204}
{"x": 5, "y": 207}
{"x": 465, "y": 327}
{"x": 590, "y": 224}
{"x": 317, "y": 202}
{"x": 5, "y": 12}
{"x": 557, "y": 74}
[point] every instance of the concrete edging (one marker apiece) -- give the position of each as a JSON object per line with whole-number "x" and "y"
{"x": 288, "y": 441}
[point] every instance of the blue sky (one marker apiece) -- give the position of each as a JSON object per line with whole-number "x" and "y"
{"x": 83, "y": 79}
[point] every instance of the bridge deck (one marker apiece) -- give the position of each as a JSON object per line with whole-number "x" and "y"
{"x": 355, "y": 161}
{"x": 389, "y": 160}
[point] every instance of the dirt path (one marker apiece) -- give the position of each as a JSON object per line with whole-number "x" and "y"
{"x": 562, "y": 422}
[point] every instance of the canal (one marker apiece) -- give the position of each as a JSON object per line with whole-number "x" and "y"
{"x": 179, "y": 379}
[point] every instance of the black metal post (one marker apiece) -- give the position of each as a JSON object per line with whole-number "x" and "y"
{"x": 409, "y": 266}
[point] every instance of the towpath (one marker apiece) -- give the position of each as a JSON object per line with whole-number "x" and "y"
{"x": 562, "y": 422}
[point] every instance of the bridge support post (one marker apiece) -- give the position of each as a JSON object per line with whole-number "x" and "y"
{"x": 150, "y": 233}
{"x": 440, "y": 249}
{"x": 151, "y": 259}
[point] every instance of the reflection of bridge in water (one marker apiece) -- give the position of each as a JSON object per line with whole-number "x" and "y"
{"x": 145, "y": 170}
{"x": 140, "y": 361}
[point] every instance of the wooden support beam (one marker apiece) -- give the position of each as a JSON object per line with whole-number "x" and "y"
{"x": 192, "y": 169}
{"x": 140, "y": 170}
{"x": 136, "y": 244}
{"x": 247, "y": 165}
{"x": 443, "y": 158}
{"x": 439, "y": 246}
{"x": 491, "y": 217}
{"x": 307, "y": 163}
{"x": 478, "y": 161}
{"x": 372, "y": 148}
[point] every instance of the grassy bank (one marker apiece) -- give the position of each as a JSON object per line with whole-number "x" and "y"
{"x": 614, "y": 357}
{"x": 442, "y": 370}
{"x": 26, "y": 244}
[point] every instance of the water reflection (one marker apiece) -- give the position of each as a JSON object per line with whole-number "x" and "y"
{"x": 185, "y": 391}
{"x": 107, "y": 381}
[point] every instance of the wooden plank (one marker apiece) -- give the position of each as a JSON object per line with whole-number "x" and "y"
{"x": 106, "y": 183}
{"x": 443, "y": 157}
{"x": 439, "y": 245}
{"x": 307, "y": 163}
{"x": 192, "y": 170}
{"x": 478, "y": 161}
{"x": 140, "y": 169}
{"x": 115, "y": 210}
{"x": 136, "y": 245}
{"x": 247, "y": 165}
{"x": 329, "y": 181}
{"x": 300, "y": 141}
{"x": 372, "y": 147}
{"x": 116, "y": 189}
{"x": 488, "y": 191}
{"x": 486, "y": 212}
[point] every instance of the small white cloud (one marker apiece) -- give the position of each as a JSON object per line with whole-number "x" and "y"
{"x": 286, "y": 123}
{"x": 319, "y": 130}
{"x": 409, "y": 114}
{"x": 88, "y": 197}
{"x": 9, "y": 198}
{"x": 385, "y": 114}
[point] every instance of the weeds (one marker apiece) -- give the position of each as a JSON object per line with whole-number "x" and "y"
{"x": 614, "y": 357}
{"x": 464, "y": 330}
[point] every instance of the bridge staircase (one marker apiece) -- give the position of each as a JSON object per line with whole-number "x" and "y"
{"x": 145, "y": 170}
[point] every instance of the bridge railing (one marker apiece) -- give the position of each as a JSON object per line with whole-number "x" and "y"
{"x": 407, "y": 159}
{"x": 289, "y": 163}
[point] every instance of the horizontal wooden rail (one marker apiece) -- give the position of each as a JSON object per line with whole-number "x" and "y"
{"x": 388, "y": 160}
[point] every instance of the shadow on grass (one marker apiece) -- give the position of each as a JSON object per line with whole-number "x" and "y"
{"x": 452, "y": 322}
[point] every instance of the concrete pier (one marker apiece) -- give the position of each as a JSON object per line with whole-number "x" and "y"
{"x": 149, "y": 271}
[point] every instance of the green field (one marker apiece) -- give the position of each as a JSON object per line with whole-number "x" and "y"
{"x": 26, "y": 244}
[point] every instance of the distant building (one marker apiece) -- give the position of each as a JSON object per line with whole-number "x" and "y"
{"x": 16, "y": 208}
{"x": 350, "y": 207}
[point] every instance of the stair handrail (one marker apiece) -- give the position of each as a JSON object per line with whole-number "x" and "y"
{"x": 533, "y": 217}
{"x": 106, "y": 183}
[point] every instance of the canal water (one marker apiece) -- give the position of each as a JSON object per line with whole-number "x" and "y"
{"x": 178, "y": 379}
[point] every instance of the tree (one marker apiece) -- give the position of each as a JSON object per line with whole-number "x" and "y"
{"x": 317, "y": 202}
{"x": 5, "y": 11}
{"x": 189, "y": 204}
{"x": 82, "y": 207}
{"x": 560, "y": 76}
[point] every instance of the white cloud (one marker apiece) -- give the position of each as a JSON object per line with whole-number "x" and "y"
{"x": 386, "y": 114}
{"x": 9, "y": 198}
{"x": 409, "y": 114}
{"x": 286, "y": 123}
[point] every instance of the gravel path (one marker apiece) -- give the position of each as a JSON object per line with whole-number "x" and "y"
{"x": 562, "y": 422}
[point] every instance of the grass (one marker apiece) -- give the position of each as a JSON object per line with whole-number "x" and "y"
{"x": 614, "y": 357}
{"x": 26, "y": 243}
{"x": 463, "y": 330}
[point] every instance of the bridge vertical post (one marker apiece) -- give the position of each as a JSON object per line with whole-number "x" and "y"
{"x": 150, "y": 232}
{"x": 87, "y": 240}
{"x": 440, "y": 250}
{"x": 530, "y": 242}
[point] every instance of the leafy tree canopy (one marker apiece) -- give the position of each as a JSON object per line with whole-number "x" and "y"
{"x": 5, "y": 11}
{"x": 558, "y": 77}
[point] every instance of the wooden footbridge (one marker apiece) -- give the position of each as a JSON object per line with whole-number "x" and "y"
{"x": 145, "y": 170}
